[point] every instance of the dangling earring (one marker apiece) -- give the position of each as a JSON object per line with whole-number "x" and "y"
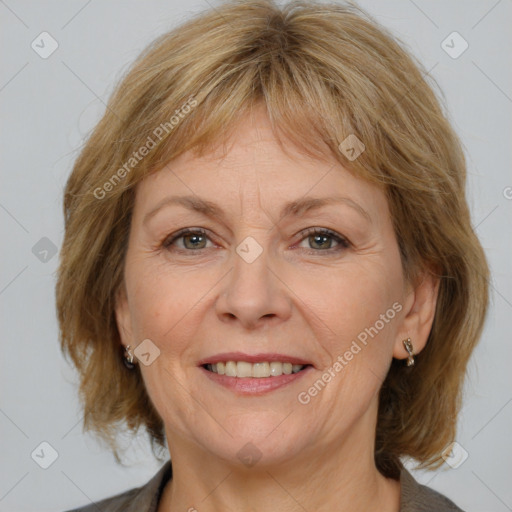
{"x": 410, "y": 350}
{"x": 128, "y": 358}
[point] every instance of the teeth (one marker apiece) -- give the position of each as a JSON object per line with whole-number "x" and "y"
{"x": 276, "y": 369}
{"x": 242, "y": 369}
{"x": 230, "y": 369}
{"x": 260, "y": 370}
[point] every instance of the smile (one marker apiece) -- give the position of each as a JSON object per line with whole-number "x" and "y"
{"x": 244, "y": 369}
{"x": 254, "y": 374}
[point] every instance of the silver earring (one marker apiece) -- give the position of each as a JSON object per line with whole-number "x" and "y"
{"x": 128, "y": 358}
{"x": 410, "y": 350}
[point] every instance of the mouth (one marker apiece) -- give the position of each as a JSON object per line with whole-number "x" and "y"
{"x": 254, "y": 374}
{"x": 260, "y": 370}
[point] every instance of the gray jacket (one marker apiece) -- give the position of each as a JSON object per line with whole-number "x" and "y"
{"x": 414, "y": 497}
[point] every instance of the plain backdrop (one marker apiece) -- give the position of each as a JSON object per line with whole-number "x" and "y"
{"x": 48, "y": 106}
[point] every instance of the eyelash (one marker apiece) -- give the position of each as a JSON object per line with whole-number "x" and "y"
{"x": 343, "y": 242}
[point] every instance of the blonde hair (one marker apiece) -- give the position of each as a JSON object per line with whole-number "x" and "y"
{"x": 323, "y": 72}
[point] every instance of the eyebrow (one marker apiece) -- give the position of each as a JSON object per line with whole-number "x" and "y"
{"x": 294, "y": 208}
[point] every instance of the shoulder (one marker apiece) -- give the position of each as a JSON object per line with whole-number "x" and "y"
{"x": 113, "y": 504}
{"x": 419, "y": 498}
{"x": 138, "y": 499}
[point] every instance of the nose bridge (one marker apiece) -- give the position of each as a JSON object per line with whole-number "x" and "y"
{"x": 253, "y": 255}
{"x": 252, "y": 290}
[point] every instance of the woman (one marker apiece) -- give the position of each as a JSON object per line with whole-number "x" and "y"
{"x": 269, "y": 264}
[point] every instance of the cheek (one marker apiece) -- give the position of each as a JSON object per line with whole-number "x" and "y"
{"x": 354, "y": 303}
{"x": 157, "y": 299}
{"x": 165, "y": 303}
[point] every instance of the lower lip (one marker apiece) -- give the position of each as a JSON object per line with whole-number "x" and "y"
{"x": 255, "y": 386}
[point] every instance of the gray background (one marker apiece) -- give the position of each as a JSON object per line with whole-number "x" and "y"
{"x": 49, "y": 105}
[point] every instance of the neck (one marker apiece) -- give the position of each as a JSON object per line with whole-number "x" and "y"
{"x": 316, "y": 480}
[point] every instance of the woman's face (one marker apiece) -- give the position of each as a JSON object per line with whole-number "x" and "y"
{"x": 258, "y": 285}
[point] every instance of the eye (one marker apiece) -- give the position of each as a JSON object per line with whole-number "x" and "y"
{"x": 193, "y": 239}
{"x": 319, "y": 239}
{"x": 322, "y": 238}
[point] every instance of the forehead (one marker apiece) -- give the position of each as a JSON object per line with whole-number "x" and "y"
{"x": 252, "y": 168}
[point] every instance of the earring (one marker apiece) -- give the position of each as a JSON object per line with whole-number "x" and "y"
{"x": 128, "y": 358}
{"x": 410, "y": 350}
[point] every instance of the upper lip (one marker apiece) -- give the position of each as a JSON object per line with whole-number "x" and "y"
{"x": 252, "y": 358}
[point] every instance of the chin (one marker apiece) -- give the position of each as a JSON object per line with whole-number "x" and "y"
{"x": 262, "y": 442}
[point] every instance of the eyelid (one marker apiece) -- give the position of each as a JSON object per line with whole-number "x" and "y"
{"x": 168, "y": 240}
{"x": 343, "y": 241}
{"x": 325, "y": 231}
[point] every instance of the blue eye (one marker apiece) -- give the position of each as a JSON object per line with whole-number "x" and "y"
{"x": 323, "y": 238}
{"x": 319, "y": 239}
{"x": 195, "y": 236}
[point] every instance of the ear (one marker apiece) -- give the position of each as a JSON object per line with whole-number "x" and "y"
{"x": 419, "y": 312}
{"x": 123, "y": 317}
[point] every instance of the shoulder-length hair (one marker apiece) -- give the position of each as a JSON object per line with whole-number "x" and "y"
{"x": 324, "y": 72}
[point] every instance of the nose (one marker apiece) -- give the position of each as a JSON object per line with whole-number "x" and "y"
{"x": 253, "y": 294}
